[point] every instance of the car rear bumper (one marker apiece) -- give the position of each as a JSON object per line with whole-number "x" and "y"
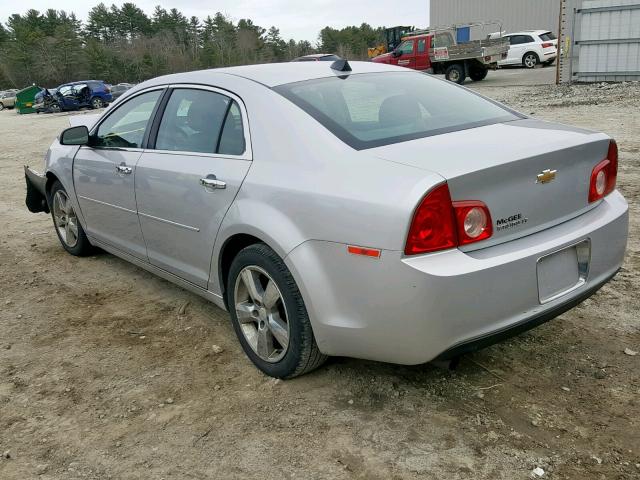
{"x": 36, "y": 199}
{"x": 411, "y": 310}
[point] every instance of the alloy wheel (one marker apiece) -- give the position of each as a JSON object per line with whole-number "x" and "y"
{"x": 65, "y": 219}
{"x": 97, "y": 103}
{"x": 530, "y": 61}
{"x": 262, "y": 314}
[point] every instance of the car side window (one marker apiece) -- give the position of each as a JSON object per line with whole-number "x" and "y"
{"x": 406, "y": 47}
{"x": 527, "y": 39}
{"x": 422, "y": 45}
{"x": 192, "y": 121}
{"x": 232, "y": 136}
{"x": 125, "y": 127}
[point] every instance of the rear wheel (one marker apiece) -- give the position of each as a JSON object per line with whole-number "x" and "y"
{"x": 1, "y": 106}
{"x": 269, "y": 315}
{"x": 68, "y": 228}
{"x": 455, "y": 73}
{"x": 97, "y": 102}
{"x": 477, "y": 74}
{"x": 530, "y": 60}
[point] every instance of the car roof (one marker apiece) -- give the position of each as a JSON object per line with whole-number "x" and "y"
{"x": 274, "y": 74}
{"x": 534, "y": 32}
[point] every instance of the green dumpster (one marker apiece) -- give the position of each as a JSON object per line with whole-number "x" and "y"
{"x": 25, "y": 99}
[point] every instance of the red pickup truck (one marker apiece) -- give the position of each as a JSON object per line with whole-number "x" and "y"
{"x": 438, "y": 52}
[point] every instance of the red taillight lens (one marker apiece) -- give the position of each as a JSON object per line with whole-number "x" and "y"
{"x": 433, "y": 226}
{"x": 547, "y": 45}
{"x": 438, "y": 223}
{"x": 604, "y": 175}
{"x": 474, "y": 221}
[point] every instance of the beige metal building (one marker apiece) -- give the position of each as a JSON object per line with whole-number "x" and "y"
{"x": 515, "y": 15}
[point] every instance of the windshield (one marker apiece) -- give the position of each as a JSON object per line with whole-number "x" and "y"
{"x": 375, "y": 109}
{"x": 545, "y": 37}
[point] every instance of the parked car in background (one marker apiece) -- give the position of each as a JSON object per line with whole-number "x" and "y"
{"x": 88, "y": 93}
{"x": 530, "y": 48}
{"x": 317, "y": 57}
{"x": 119, "y": 89}
{"x": 7, "y": 99}
{"x": 371, "y": 211}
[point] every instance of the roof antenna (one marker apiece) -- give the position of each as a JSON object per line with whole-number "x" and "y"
{"x": 341, "y": 65}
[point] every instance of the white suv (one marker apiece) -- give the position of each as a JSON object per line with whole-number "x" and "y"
{"x": 531, "y": 47}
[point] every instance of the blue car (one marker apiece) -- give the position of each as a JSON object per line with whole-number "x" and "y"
{"x": 88, "y": 93}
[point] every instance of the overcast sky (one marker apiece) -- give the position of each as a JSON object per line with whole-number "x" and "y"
{"x": 298, "y": 19}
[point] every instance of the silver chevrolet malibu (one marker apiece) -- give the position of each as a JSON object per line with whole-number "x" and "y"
{"x": 357, "y": 209}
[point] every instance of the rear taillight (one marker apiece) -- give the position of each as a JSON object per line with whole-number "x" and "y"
{"x": 439, "y": 224}
{"x": 547, "y": 45}
{"x": 433, "y": 226}
{"x": 604, "y": 175}
{"x": 474, "y": 221}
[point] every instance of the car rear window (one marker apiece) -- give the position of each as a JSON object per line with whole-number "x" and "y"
{"x": 375, "y": 109}
{"x": 545, "y": 37}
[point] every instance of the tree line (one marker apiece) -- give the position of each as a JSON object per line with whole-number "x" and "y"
{"x": 124, "y": 44}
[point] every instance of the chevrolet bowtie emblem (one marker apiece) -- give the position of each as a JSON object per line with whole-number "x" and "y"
{"x": 547, "y": 176}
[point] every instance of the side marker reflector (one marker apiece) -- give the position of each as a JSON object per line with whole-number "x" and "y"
{"x": 367, "y": 252}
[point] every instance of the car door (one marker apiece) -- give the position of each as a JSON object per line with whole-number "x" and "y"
{"x": 66, "y": 96}
{"x": 103, "y": 174}
{"x": 422, "y": 56}
{"x": 517, "y": 49}
{"x": 407, "y": 56}
{"x": 185, "y": 183}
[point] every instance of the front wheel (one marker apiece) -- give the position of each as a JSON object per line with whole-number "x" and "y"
{"x": 68, "y": 228}
{"x": 97, "y": 103}
{"x": 530, "y": 60}
{"x": 269, "y": 315}
{"x": 55, "y": 108}
{"x": 455, "y": 73}
{"x": 1, "y": 107}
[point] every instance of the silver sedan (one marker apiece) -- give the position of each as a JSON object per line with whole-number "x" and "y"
{"x": 358, "y": 209}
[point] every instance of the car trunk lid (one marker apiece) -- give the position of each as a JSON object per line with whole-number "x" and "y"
{"x": 531, "y": 174}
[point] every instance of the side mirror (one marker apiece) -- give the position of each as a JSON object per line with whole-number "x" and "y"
{"x": 396, "y": 53}
{"x": 75, "y": 136}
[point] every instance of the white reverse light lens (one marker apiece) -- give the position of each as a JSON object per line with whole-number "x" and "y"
{"x": 475, "y": 222}
{"x": 601, "y": 182}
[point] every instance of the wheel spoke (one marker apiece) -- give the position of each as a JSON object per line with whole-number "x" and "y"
{"x": 265, "y": 343}
{"x": 251, "y": 280}
{"x": 244, "y": 312}
{"x": 279, "y": 330}
{"x": 271, "y": 294}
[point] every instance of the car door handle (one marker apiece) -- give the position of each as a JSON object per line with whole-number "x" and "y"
{"x": 212, "y": 183}
{"x": 122, "y": 168}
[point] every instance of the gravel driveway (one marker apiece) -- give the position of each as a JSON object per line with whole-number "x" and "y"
{"x": 109, "y": 372}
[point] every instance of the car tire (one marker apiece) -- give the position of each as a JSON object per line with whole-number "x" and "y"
{"x": 1, "y": 106}
{"x": 530, "y": 60}
{"x": 68, "y": 228}
{"x": 269, "y": 315}
{"x": 96, "y": 103}
{"x": 455, "y": 73}
{"x": 478, "y": 74}
{"x": 55, "y": 108}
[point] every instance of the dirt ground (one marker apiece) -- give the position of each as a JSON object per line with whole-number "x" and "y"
{"x": 102, "y": 376}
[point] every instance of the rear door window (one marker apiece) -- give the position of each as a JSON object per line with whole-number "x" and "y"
{"x": 201, "y": 121}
